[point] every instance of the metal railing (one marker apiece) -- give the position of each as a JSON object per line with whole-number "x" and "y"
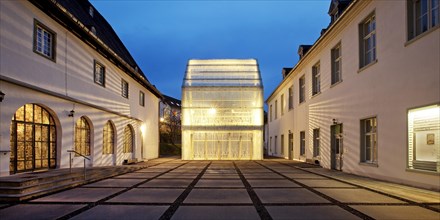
{"x": 70, "y": 161}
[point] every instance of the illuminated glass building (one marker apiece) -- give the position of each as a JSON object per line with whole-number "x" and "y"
{"x": 222, "y": 110}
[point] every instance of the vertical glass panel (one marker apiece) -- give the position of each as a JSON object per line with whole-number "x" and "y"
{"x": 45, "y": 117}
{"x": 38, "y": 150}
{"x": 37, "y": 114}
{"x": 29, "y": 113}
{"x": 19, "y": 114}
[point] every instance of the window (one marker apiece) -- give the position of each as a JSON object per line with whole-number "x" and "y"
{"x": 367, "y": 33}
{"x": 44, "y": 41}
{"x": 302, "y": 144}
{"x": 124, "y": 89}
{"x": 336, "y": 64}
{"x": 302, "y": 89}
{"x": 424, "y": 138}
{"x": 316, "y": 79}
{"x": 282, "y": 104}
{"x": 423, "y": 15}
{"x": 282, "y": 144}
{"x": 369, "y": 140}
{"x": 141, "y": 98}
{"x": 82, "y": 137}
{"x": 291, "y": 97}
{"x": 270, "y": 112}
{"x": 275, "y": 144}
{"x": 99, "y": 74}
{"x": 316, "y": 142}
{"x": 276, "y": 109}
{"x": 91, "y": 11}
{"x": 128, "y": 139}
{"x": 270, "y": 145}
{"x": 108, "y": 138}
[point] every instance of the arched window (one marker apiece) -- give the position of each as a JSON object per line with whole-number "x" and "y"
{"x": 82, "y": 136}
{"x": 108, "y": 138}
{"x": 128, "y": 139}
{"x": 33, "y": 139}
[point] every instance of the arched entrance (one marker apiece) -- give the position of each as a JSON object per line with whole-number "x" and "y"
{"x": 33, "y": 140}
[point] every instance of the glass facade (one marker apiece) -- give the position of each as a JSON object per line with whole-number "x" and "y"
{"x": 222, "y": 110}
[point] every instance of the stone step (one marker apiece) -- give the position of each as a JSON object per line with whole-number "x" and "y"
{"x": 25, "y": 186}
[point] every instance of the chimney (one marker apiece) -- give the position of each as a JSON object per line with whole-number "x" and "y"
{"x": 303, "y": 49}
{"x": 286, "y": 71}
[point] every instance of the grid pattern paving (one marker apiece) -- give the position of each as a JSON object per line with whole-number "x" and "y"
{"x": 269, "y": 189}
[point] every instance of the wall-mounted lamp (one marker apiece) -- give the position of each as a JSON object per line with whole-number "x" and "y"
{"x": 2, "y": 96}
{"x": 290, "y": 132}
{"x": 335, "y": 121}
{"x": 71, "y": 113}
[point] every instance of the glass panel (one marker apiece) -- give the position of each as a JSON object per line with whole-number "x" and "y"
{"x": 45, "y": 133}
{"x": 20, "y": 150}
{"x": 37, "y": 114}
{"x": 19, "y": 114}
{"x": 29, "y": 132}
{"x": 29, "y": 113}
{"x": 37, "y": 132}
{"x": 20, "y": 132}
{"x": 45, "y": 117}
{"x": 20, "y": 165}
{"x": 28, "y": 151}
{"x": 38, "y": 150}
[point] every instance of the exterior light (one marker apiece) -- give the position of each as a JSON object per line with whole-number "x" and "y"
{"x": 335, "y": 121}
{"x": 71, "y": 113}
{"x": 212, "y": 111}
{"x": 162, "y": 119}
{"x": 143, "y": 128}
{"x": 2, "y": 96}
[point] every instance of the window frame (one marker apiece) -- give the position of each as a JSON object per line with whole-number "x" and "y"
{"x": 271, "y": 113}
{"x": 53, "y": 44}
{"x": 141, "y": 98}
{"x": 336, "y": 59}
{"x": 369, "y": 156}
{"x": 124, "y": 88}
{"x": 412, "y": 18}
{"x": 291, "y": 97}
{"x": 108, "y": 139}
{"x": 316, "y": 142}
{"x": 276, "y": 109}
{"x": 302, "y": 89}
{"x": 282, "y": 104}
{"x": 302, "y": 143}
{"x": 316, "y": 79}
{"x": 95, "y": 78}
{"x": 282, "y": 144}
{"x": 364, "y": 38}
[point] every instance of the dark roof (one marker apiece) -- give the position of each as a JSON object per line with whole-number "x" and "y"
{"x": 74, "y": 16}
{"x": 285, "y": 71}
{"x": 171, "y": 101}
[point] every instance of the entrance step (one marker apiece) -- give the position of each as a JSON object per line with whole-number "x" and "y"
{"x": 25, "y": 186}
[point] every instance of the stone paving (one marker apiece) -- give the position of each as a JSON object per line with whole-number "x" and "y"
{"x": 269, "y": 189}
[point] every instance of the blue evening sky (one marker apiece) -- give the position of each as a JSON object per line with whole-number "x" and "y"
{"x": 163, "y": 35}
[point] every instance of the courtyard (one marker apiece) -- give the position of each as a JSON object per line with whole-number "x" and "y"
{"x": 267, "y": 189}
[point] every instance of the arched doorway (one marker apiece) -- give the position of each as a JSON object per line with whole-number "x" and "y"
{"x": 33, "y": 140}
{"x": 128, "y": 139}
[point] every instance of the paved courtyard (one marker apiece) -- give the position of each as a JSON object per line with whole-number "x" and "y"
{"x": 269, "y": 189}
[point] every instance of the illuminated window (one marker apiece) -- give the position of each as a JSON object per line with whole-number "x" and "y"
{"x": 302, "y": 143}
{"x": 424, "y": 138}
{"x": 367, "y": 32}
{"x": 336, "y": 64}
{"x": 82, "y": 137}
{"x": 369, "y": 140}
{"x": 423, "y": 15}
{"x": 282, "y": 104}
{"x": 108, "y": 138}
{"x": 316, "y": 79}
{"x": 99, "y": 74}
{"x": 291, "y": 97}
{"x": 316, "y": 142}
{"x": 302, "y": 89}
{"x": 128, "y": 139}
{"x": 44, "y": 41}
{"x": 141, "y": 98}
{"x": 124, "y": 88}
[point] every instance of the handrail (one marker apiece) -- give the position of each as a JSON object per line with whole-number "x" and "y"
{"x": 70, "y": 161}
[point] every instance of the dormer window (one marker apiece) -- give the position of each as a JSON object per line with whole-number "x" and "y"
{"x": 93, "y": 30}
{"x": 91, "y": 11}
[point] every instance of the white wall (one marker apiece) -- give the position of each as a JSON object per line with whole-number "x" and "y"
{"x": 405, "y": 76}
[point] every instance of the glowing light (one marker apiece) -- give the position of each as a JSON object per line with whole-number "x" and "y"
{"x": 162, "y": 119}
{"x": 212, "y": 111}
{"x": 143, "y": 128}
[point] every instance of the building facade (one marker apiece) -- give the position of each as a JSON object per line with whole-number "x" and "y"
{"x": 70, "y": 85}
{"x": 365, "y": 98}
{"x": 222, "y": 110}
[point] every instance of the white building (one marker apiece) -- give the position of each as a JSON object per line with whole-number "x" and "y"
{"x": 365, "y": 98}
{"x": 222, "y": 110}
{"x": 70, "y": 84}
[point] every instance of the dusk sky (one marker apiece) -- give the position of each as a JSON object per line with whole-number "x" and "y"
{"x": 163, "y": 35}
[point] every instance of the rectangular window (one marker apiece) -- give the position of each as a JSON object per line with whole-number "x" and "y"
{"x": 276, "y": 109}
{"x": 302, "y": 89}
{"x": 99, "y": 74}
{"x": 282, "y": 104}
{"x": 271, "y": 112}
{"x": 291, "y": 97}
{"x": 44, "y": 41}
{"x": 336, "y": 64}
{"x": 424, "y": 138}
{"x": 316, "y": 79}
{"x": 369, "y": 140}
{"x": 367, "y": 40}
{"x": 316, "y": 142}
{"x": 423, "y": 15}
{"x": 141, "y": 98}
{"x": 124, "y": 88}
{"x": 282, "y": 144}
{"x": 302, "y": 144}
{"x": 275, "y": 144}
